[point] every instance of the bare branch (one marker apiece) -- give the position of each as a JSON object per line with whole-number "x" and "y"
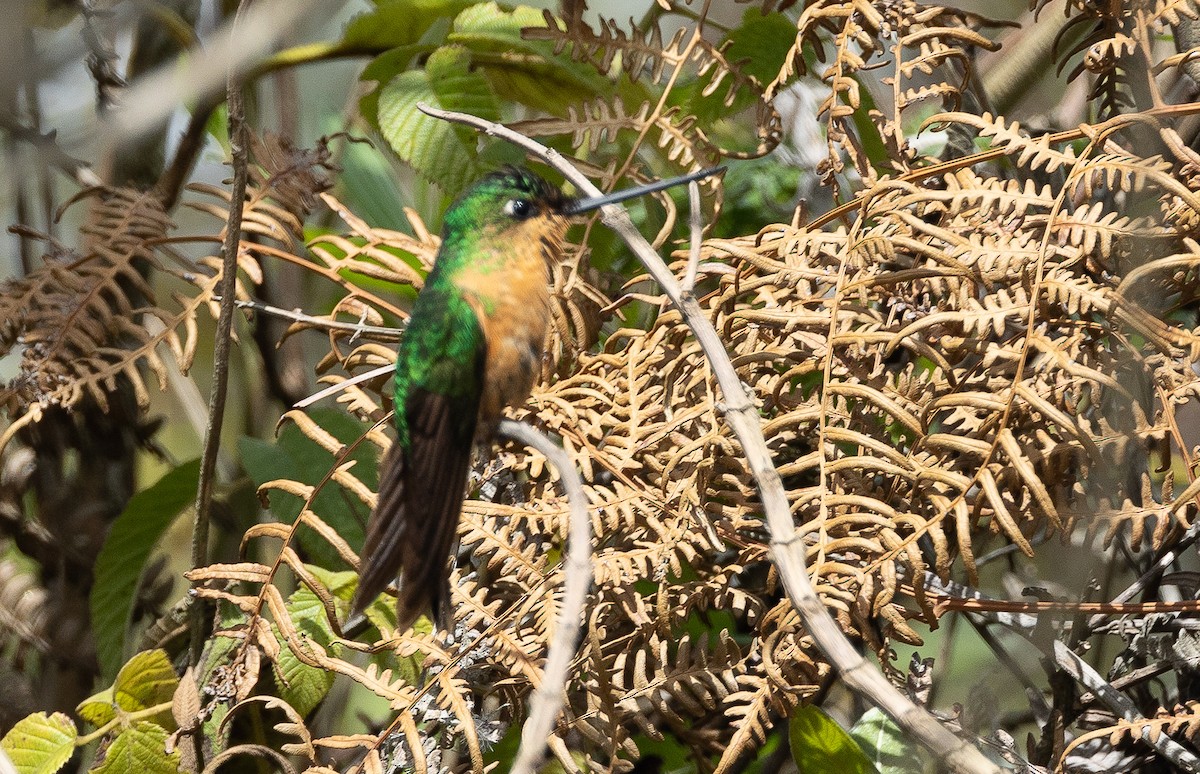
{"x": 548, "y": 698}
{"x": 47, "y": 147}
{"x": 324, "y": 323}
{"x": 1084, "y": 674}
{"x": 239, "y": 142}
{"x": 1081, "y": 672}
{"x": 334, "y": 389}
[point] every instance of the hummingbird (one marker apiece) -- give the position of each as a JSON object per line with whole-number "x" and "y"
{"x": 473, "y": 346}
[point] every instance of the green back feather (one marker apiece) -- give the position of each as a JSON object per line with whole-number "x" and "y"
{"x": 443, "y": 347}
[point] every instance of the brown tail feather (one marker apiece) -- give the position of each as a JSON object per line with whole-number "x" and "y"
{"x": 413, "y": 528}
{"x": 381, "y": 554}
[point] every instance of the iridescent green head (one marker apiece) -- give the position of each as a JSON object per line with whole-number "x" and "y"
{"x": 514, "y": 195}
{"x": 504, "y": 198}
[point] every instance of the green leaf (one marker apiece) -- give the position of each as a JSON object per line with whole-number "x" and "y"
{"x": 820, "y": 745}
{"x": 383, "y": 69}
{"x": 760, "y": 44}
{"x": 757, "y": 191}
{"x": 439, "y": 151}
{"x": 99, "y": 709}
{"x": 142, "y": 748}
{"x": 525, "y": 71}
{"x": 340, "y": 584}
{"x": 887, "y": 746}
{"x": 128, "y": 546}
{"x": 295, "y": 456}
{"x": 301, "y": 685}
{"x": 401, "y": 22}
{"x": 217, "y": 654}
{"x": 40, "y": 744}
{"x": 868, "y": 133}
{"x": 146, "y": 681}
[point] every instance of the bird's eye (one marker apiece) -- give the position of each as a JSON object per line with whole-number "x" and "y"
{"x": 520, "y": 209}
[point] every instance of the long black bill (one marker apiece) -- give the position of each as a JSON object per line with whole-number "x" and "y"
{"x": 579, "y": 206}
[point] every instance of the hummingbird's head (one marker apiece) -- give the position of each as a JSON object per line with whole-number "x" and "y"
{"x": 514, "y": 196}
{"x": 511, "y": 201}
{"x": 515, "y": 207}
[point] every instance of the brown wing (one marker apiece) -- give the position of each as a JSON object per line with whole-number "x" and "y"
{"x": 421, "y": 490}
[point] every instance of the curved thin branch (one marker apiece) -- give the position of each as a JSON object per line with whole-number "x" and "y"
{"x": 239, "y": 149}
{"x": 323, "y": 323}
{"x": 786, "y": 544}
{"x": 696, "y": 227}
{"x": 547, "y": 699}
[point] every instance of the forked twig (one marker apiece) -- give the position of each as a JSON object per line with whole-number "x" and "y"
{"x": 786, "y": 543}
{"x": 1079, "y": 670}
{"x": 1084, "y": 674}
{"x": 548, "y": 697}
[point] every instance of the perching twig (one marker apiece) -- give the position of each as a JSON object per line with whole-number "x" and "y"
{"x": 238, "y": 150}
{"x": 333, "y": 389}
{"x": 786, "y": 544}
{"x": 547, "y": 700}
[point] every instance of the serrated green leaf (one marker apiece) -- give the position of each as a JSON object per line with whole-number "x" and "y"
{"x": 391, "y": 63}
{"x": 887, "y": 746}
{"x": 440, "y": 152}
{"x": 99, "y": 709}
{"x": 340, "y": 584}
{"x": 820, "y": 745}
{"x": 300, "y": 685}
{"x": 308, "y": 615}
{"x": 146, "y": 681}
{"x": 382, "y": 613}
{"x": 128, "y": 546}
{"x": 217, "y": 654}
{"x": 142, "y": 748}
{"x": 383, "y": 69}
{"x": 525, "y": 71}
{"x": 40, "y": 743}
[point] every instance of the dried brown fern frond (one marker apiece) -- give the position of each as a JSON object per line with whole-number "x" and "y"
{"x": 90, "y": 316}
{"x": 79, "y": 318}
{"x": 931, "y": 59}
{"x": 600, "y": 122}
{"x": 1182, "y": 720}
